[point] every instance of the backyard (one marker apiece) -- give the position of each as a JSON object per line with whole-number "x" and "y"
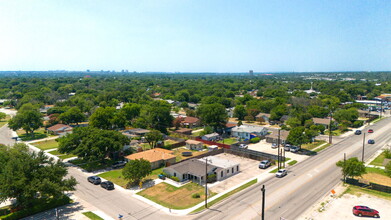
{"x": 178, "y": 153}
{"x": 229, "y": 141}
{"x": 174, "y": 197}
{"x": 45, "y": 145}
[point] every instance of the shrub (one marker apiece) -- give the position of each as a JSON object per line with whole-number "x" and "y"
{"x": 387, "y": 153}
{"x": 174, "y": 178}
{"x": 255, "y": 140}
{"x": 195, "y": 196}
{"x": 212, "y": 178}
{"x": 357, "y": 124}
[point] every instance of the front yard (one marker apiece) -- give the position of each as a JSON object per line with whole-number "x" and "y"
{"x": 38, "y": 134}
{"x": 60, "y": 155}
{"x": 173, "y": 197}
{"x": 116, "y": 177}
{"x": 229, "y": 141}
{"x": 45, "y": 145}
{"x": 313, "y": 145}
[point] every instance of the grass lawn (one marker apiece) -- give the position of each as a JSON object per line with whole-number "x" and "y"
{"x": 45, "y": 145}
{"x": 293, "y": 162}
{"x": 173, "y": 197}
{"x": 92, "y": 216}
{"x": 38, "y": 134}
{"x": 116, "y": 177}
{"x": 229, "y": 141}
{"x": 4, "y": 121}
{"x": 60, "y": 155}
{"x": 178, "y": 153}
{"x": 312, "y": 145}
{"x": 378, "y": 161}
{"x": 198, "y": 133}
{"x": 240, "y": 188}
{"x": 355, "y": 190}
{"x": 322, "y": 148}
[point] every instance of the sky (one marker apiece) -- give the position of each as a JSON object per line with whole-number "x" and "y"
{"x": 195, "y": 36}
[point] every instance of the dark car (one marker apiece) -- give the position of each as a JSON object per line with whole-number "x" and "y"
{"x": 357, "y": 132}
{"x": 118, "y": 164}
{"x": 272, "y": 122}
{"x": 365, "y": 211}
{"x": 371, "y": 141}
{"x": 370, "y": 130}
{"x": 264, "y": 164}
{"x": 107, "y": 185}
{"x": 94, "y": 179}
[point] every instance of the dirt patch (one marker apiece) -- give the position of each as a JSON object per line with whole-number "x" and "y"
{"x": 178, "y": 153}
{"x": 173, "y": 197}
{"x": 377, "y": 178}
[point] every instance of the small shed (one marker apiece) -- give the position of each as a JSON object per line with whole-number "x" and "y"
{"x": 194, "y": 145}
{"x": 213, "y": 147}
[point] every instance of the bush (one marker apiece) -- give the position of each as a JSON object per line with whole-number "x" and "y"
{"x": 357, "y": 124}
{"x": 195, "y": 196}
{"x": 212, "y": 178}
{"x": 387, "y": 153}
{"x": 41, "y": 205}
{"x": 255, "y": 140}
{"x": 174, "y": 178}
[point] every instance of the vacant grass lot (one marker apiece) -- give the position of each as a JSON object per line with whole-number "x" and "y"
{"x": 376, "y": 175}
{"x": 60, "y": 155}
{"x": 178, "y": 153}
{"x": 38, "y": 134}
{"x": 45, "y": 145}
{"x": 116, "y": 176}
{"x": 173, "y": 197}
{"x": 313, "y": 145}
{"x": 358, "y": 191}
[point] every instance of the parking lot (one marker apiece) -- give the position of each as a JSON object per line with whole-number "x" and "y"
{"x": 262, "y": 146}
{"x": 248, "y": 169}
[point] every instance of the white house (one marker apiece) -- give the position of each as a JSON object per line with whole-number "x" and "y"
{"x": 248, "y": 131}
{"x": 194, "y": 145}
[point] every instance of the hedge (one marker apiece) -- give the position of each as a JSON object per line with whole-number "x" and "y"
{"x": 41, "y": 205}
{"x": 255, "y": 140}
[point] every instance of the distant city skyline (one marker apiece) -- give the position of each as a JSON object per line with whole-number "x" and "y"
{"x": 195, "y": 36}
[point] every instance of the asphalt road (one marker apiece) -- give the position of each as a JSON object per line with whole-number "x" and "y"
{"x": 305, "y": 184}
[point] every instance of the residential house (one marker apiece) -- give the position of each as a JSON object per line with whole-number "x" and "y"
{"x": 45, "y": 108}
{"x": 60, "y": 129}
{"x": 158, "y": 157}
{"x": 196, "y": 169}
{"x": 190, "y": 122}
{"x": 211, "y": 137}
{"x": 265, "y": 116}
{"x": 284, "y": 118}
{"x": 273, "y": 137}
{"x": 194, "y": 145}
{"x": 186, "y": 131}
{"x": 228, "y": 128}
{"x": 137, "y": 131}
{"x": 322, "y": 121}
{"x": 249, "y": 131}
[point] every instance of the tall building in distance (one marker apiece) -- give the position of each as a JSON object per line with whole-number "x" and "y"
{"x": 251, "y": 72}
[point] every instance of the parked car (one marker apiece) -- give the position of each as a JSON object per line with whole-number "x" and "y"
{"x": 287, "y": 147}
{"x": 264, "y": 164}
{"x": 244, "y": 146}
{"x": 272, "y": 122}
{"x": 294, "y": 149}
{"x": 94, "y": 179}
{"x": 370, "y": 130}
{"x": 282, "y": 172}
{"x": 357, "y": 132}
{"x": 371, "y": 141}
{"x": 107, "y": 185}
{"x": 162, "y": 176}
{"x": 118, "y": 164}
{"x": 365, "y": 211}
{"x": 274, "y": 145}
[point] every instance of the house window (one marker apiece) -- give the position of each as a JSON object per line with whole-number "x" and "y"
{"x": 237, "y": 168}
{"x": 228, "y": 171}
{"x": 233, "y": 170}
{"x": 222, "y": 173}
{"x": 174, "y": 174}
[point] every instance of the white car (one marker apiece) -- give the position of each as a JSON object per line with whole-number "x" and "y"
{"x": 282, "y": 172}
{"x": 244, "y": 146}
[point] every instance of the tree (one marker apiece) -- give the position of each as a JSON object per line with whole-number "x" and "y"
{"x": 213, "y": 115}
{"x": 28, "y": 118}
{"x": 346, "y": 115}
{"x": 240, "y": 112}
{"x": 277, "y": 112}
{"x": 157, "y": 116}
{"x": 92, "y": 144}
{"x": 153, "y": 137}
{"x": 388, "y": 169}
{"x": 249, "y": 118}
{"x": 177, "y": 122}
{"x": 293, "y": 122}
{"x": 102, "y": 118}
{"x": 131, "y": 110}
{"x": 72, "y": 115}
{"x": 135, "y": 170}
{"x": 297, "y": 137}
{"x": 352, "y": 167}
{"x": 27, "y": 176}
{"x": 2, "y": 115}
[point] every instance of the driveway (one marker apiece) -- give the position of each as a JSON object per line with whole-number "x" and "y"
{"x": 248, "y": 170}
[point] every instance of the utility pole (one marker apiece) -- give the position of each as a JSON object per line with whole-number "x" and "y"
{"x": 363, "y": 144}
{"x": 284, "y": 157}
{"x": 344, "y": 164}
{"x": 381, "y": 107}
{"x": 263, "y": 201}
{"x": 206, "y": 182}
{"x": 278, "y": 145}
{"x": 330, "y": 132}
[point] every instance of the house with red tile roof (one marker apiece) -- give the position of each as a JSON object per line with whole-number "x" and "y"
{"x": 157, "y": 157}
{"x": 60, "y": 129}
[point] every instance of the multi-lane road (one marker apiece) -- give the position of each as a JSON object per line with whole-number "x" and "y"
{"x": 305, "y": 184}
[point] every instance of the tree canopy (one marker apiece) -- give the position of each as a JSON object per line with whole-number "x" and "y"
{"x": 352, "y": 167}
{"x": 136, "y": 170}
{"x": 28, "y": 118}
